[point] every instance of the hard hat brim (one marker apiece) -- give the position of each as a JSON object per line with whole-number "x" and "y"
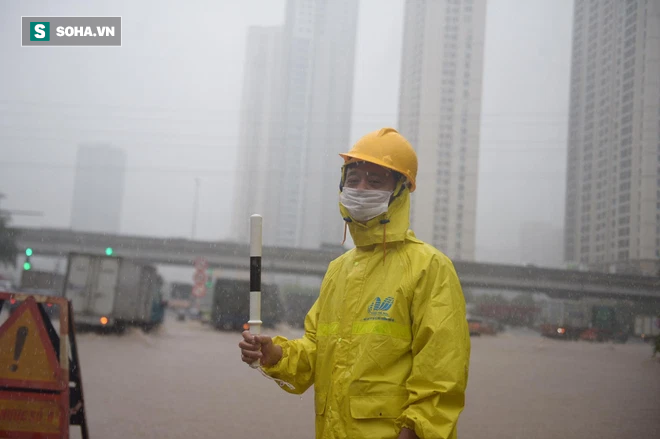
{"x": 352, "y": 157}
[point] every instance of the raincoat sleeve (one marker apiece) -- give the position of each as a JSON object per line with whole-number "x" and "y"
{"x": 441, "y": 353}
{"x": 298, "y": 357}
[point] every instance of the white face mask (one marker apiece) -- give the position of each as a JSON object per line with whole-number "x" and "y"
{"x": 364, "y": 205}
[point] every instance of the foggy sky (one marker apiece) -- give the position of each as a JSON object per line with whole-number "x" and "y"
{"x": 170, "y": 96}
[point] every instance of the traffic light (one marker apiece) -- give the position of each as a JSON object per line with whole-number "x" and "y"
{"x": 109, "y": 251}
{"x": 27, "y": 264}
{"x": 209, "y": 277}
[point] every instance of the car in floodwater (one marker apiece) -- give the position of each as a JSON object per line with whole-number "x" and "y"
{"x": 52, "y": 309}
{"x": 483, "y": 326}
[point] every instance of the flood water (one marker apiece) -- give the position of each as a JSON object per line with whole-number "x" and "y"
{"x": 186, "y": 380}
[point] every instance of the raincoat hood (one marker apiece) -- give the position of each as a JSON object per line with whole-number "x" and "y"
{"x": 389, "y": 227}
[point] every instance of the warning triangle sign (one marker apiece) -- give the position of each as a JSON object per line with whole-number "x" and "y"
{"x": 27, "y": 357}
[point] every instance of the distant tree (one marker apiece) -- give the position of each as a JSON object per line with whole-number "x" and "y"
{"x": 8, "y": 249}
{"x": 491, "y": 299}
{"x": 524, "y": 299}
{"x": 299, "y": 290}
{"x": 489, "y": 305}
{"x": 298, "y": 299}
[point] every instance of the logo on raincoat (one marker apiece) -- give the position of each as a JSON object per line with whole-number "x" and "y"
{"x": 379, "y": 309}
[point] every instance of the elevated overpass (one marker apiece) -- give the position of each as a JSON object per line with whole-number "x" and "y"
{"x": 230, "y": 255}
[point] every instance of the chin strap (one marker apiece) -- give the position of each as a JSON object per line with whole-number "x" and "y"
{"x": 384, "y": 223}
{"x": 346, "y": 221}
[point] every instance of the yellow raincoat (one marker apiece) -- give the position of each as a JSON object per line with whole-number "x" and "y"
{"x": 386, "y": 344}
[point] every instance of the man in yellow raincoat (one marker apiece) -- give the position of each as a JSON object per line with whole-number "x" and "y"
{"x": 386, "y": 344}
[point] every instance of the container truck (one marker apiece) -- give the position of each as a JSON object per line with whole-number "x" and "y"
{"x": 113, "y": 292}
{"x": 231, "y": 304}
{"x": 581, "y": 320}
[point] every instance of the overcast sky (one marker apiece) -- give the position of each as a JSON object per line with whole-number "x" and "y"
{"x": 170, "y": 97}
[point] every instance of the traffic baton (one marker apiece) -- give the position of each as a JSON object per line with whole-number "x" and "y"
{"x": 256, "y": 225}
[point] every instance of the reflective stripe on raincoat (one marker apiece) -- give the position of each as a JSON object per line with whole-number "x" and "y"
{"x": 386, "y": 344}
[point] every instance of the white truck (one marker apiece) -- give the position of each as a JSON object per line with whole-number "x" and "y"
{"x": 112, "y": 292}
{"x": 647, "y": 327}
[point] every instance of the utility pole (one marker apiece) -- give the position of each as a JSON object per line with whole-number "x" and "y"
{"x": 195, "y": 204}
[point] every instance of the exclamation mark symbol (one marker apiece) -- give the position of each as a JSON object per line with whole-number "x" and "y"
{"x": 21, "y": 335}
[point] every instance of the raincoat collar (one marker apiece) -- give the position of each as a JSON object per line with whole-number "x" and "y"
{"x": 394, "y": 223}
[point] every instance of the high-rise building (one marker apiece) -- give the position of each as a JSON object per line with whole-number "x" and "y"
{"x": 439, "y": 113}
{"x": 613, "y": 165}
{"x": 259, "y": 130}
{"x": 98, "y": 189}
{"x": 309, "y": 127}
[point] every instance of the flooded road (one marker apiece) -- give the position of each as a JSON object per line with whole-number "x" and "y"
{"x": 187, "y": 381}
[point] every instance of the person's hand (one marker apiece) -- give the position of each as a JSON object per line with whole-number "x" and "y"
{"x": 407, "y": 433}
{"x": 259, "y": 347}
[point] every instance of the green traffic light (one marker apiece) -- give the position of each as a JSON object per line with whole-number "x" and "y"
{"x": 27, "y": 266}
{"x": 108, "y": 251}
{"x": 28, "y": 252}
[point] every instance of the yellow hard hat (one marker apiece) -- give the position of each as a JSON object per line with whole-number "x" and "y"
{"x": 387, "y": 148}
